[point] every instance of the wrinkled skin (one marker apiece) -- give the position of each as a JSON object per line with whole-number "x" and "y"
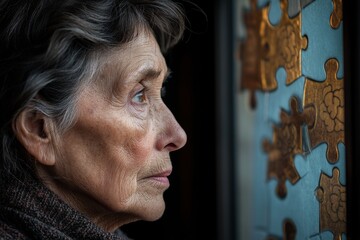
{"x": 114, "y": 162}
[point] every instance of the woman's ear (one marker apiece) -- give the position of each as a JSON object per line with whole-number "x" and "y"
{"x": 33, "y": 131}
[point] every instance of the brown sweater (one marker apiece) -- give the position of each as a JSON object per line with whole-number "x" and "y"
{"x": 29, "y": 210}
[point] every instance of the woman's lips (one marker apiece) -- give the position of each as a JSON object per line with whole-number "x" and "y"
{"x": 162, "y": 177}
{"x": 163, "y": 180}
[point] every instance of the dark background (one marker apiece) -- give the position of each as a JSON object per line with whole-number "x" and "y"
{"x": 190, "y": 94}
{"x": 192, "y": 207}
{"x": 352, "y": 117}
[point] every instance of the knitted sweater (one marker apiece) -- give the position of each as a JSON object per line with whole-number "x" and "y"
{"x": 29, "y": 210}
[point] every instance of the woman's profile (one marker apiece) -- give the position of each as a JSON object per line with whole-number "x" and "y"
{"x": 85, "y": 135}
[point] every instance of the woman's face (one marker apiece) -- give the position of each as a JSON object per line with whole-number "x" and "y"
{"x": 115, "y": 159}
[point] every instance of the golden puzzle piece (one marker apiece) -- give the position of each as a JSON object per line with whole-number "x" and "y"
{"x": 250, "y": 53}
{"x": 332, "y": 197}
{"x": 267, "y": 48}
{"x": 327, "y": 98}
{"x": 337, "y": 15}
{"x": 287, "y": 141}
{"x": 281, "y": 46}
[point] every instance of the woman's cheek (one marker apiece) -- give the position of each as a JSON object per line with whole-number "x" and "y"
{"x": 140, "y": 145}
{"x": 120, "y": 186}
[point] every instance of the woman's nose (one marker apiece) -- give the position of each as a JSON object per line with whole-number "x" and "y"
{"x": 171, "y": 136}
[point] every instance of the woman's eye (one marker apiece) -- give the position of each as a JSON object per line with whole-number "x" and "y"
{"x": 140, "y": 96}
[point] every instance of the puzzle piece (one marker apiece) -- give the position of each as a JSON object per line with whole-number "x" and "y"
{"x": 269, "y": 47}
{"x": 332, "y": 197}
{"x": 277, "y": 100}
{"x": 327, "y": 98}
{"x": 287, "y": 141}
{"x": 337, "y": 15}
{"x": 281, "y": 46}
{"x": 300, "y": 203}
{"x": 324, "y": 41}
{"x": 250, "y": 53}
{"x": 268, "y": 210}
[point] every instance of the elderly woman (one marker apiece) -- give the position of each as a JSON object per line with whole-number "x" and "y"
{"x": 85, "y": 135}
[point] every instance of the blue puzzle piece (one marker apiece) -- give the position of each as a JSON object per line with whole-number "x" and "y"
{"x": 324, "y": 42}
{"x": 305, "y": 166}
{"x": 280, "y": 99}
{"x": 300, "y": 204}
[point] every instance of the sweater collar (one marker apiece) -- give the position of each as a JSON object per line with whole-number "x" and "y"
{"x": 29, "y": 198}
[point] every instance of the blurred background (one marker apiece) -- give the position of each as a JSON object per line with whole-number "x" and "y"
{"x": 234, "y": 74}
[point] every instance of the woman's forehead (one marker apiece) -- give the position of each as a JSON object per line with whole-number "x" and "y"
{"x": 136, "y": 60}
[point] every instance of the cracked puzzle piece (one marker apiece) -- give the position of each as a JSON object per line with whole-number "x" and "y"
{"x": 281, "y": 46}
{"x": 287, "y": 141}
{"x": 327, "y": 98}
{"x": 301, "y": 204}
{"x": 331, "y": 195}
{"x": 268, "y": 48}
{"x": 277, "y": 100}
{"x": 324, "y": 42}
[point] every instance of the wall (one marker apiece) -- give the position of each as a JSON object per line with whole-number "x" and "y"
{"x": 290, "y": 113}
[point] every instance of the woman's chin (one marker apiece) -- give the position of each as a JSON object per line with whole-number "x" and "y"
{"x": 154, "y": 211}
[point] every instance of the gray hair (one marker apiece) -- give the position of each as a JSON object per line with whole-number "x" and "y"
{"x": 49, "y": 49}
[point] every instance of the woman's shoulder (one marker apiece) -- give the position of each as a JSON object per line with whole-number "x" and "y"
{"x": 8, "y": 232}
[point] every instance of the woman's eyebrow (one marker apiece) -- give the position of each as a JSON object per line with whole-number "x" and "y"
{"x": 151, "y": 73}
